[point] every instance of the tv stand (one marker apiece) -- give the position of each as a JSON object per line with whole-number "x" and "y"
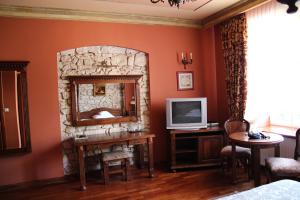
{"x": 187, "y": 129}
{"x": 196, "y": 148}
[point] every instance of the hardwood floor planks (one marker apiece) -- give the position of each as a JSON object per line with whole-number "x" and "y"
{"x": 191, "y": 185}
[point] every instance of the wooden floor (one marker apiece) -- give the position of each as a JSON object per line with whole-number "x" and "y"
{"x": 191, "y": 185}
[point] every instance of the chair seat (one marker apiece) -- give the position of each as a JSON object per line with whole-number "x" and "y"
{"x": 283, "y": 166}
{"x": 117, "y": 155}
{"x": 240, "y": 151}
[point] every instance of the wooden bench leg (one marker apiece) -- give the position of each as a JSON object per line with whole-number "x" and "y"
{"x": 126, "y": 168}
{"x": 106, "y": 172}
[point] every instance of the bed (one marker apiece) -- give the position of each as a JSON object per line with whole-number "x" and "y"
{"x": 88, "y": 115}
{"x": 281, "y": 190}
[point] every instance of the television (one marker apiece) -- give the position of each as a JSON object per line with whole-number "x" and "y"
{"x": 186, "y": 113}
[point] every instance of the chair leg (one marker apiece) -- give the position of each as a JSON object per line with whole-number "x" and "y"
{"x": 268, "y": 175}
{"x": 123, "y": 169}
{"x": 126, "y": 169}
{"x": 106, "y": 172}
{"x": 245, "y": 162}
{"x": 249, "y": 168}
{"x": 245, "y": 165}
{"x": 222, "y": 164}
{"x": 229, "y": 163}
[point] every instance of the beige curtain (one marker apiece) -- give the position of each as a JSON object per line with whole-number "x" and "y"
{"x": 273, "y": 67}
{"x": 234, "y": 40}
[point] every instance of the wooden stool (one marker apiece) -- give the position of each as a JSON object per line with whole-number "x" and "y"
{"x": 108, "y": 157}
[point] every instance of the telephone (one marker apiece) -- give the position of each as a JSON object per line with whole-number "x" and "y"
{"x": 257, "y": 135}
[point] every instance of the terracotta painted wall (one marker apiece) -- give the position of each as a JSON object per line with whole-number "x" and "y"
{"x": 39, "y": 40}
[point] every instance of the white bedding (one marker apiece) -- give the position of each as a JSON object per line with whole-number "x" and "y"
{"x": 279, "y": 190}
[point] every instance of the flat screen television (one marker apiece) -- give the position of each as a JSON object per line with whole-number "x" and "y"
{"x": 186, "y": 113}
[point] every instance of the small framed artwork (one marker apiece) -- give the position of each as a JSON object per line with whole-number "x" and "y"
{"x": 185, "y": 80}
{"x": 99, "y": 89}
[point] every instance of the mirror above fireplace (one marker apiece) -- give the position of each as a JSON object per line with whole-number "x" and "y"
{"x": 104, "y": 99}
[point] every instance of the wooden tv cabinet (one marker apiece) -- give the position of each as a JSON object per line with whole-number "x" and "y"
{"x": 196, "y": 148}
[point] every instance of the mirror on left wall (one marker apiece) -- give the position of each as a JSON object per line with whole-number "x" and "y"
{"x": 14, "y": 117}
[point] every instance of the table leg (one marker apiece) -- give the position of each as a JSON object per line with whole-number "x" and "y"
{"x": 255, "y": 153}
{"x": 140, "y": 150}
{"x": 150, "y": 157}
{"x": 81, "y": 168}
{"x": 277, "y": 150}
{"x": 233, "y": 152}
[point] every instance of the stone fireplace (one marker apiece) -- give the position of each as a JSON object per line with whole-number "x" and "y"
{"x": 98, "y": 60}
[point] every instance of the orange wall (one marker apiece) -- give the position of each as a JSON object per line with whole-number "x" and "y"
{"x": 39, "y": 40}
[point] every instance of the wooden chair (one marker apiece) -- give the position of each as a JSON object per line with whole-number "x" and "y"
{"x": 284, "y": 168}
{"x": 242, "y": 154}
{"x": 115, "y": 156}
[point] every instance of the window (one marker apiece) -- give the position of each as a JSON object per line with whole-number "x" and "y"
{"x": 273, "y": 66}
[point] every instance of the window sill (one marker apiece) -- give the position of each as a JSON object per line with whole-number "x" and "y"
{"x": 281, "y": 130}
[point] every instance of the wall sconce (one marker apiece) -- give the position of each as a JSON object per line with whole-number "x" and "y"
{"x": 185, "y": 60}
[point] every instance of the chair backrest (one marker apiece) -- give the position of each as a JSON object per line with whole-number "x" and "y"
{"x": 297, "y": 149}
{"x": 232, "y": 126}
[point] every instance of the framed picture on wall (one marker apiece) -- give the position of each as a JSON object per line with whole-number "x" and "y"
{"x": 185, "y": 80}
{"x": 99, "y": 89}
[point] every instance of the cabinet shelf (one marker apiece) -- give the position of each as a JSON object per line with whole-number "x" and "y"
{"x": 186, "y": 138}
{"x": 186, "y": 151}
{"x": 190, "y": 149}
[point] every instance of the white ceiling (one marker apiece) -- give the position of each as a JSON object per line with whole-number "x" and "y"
{"x": 132, "y": 7}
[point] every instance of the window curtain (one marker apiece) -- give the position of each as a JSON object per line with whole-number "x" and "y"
{"x": 234, "y": 44}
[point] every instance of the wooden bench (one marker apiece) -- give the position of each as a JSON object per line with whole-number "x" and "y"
{"x": 108, "y": 157}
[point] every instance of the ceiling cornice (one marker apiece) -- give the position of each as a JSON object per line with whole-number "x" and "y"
{"x": 69, "y": 14}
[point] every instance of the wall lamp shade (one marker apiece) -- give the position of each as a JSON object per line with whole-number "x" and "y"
{"x": 292, "y": 5}
{"x": 185, "y": 60}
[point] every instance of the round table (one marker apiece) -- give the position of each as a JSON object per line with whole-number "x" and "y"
{"x": 242, "y": 139}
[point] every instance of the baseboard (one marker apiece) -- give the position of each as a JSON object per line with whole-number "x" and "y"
{"x": 39, "y": 183}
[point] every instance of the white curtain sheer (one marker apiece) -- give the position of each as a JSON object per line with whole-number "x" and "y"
{"x": 273, "y": 66}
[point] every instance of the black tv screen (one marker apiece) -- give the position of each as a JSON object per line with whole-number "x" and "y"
{"x": 186, "y": 112}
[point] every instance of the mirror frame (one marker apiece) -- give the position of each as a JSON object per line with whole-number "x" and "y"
{"x": 104, "y": 79}
{"x": 19, "y": 66}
